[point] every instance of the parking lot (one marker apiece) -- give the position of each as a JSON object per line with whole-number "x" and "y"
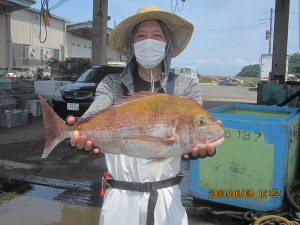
{"x": 214, "y": 95}
{"x": 67, "y": 169}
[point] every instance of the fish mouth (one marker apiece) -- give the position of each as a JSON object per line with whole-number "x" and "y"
{"x": 218, "y": 142}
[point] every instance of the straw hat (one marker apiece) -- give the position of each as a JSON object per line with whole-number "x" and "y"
{"x": 181, "y": 30}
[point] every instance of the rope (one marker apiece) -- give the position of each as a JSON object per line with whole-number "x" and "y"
{"x": 290, "y": 197}
{"x": 278, "y": 219}
{"x": 250, "y": 216}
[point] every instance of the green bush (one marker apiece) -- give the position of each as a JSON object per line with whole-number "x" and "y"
{"x": 245, "y": 85}
{"x": 74, "y": 66}
{"x": 66, "y": 78}
{"x": 71, "y": 66}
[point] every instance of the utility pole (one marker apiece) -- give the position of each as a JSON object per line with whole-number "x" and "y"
{"x": 281, "y": 24}
{"x": 99, "y": 34}
{"x": 271, "y": 32}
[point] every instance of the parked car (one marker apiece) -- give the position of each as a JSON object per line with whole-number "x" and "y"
{"x": 187, "y": 71}
{"x": 253, "y": 84}
{"x": 76, "y": 97}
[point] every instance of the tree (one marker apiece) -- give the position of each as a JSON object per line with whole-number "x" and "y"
{"x": 294, "y": 64}
{"x": 39, "y": 73}
{"x": 249, "y": 71}
{"x": 71, "y": 66}
{"x": 74, "y": 66}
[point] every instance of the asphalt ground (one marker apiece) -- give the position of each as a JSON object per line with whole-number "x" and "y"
{"x": 21, "y": 148}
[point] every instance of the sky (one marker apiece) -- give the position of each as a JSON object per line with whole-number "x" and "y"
{"x": 228, "y": 35}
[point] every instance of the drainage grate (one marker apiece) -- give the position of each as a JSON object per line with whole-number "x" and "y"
{"x": 80, "y": 197}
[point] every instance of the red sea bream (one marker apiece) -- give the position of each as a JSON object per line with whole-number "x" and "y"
{"x": 144, "y": 125}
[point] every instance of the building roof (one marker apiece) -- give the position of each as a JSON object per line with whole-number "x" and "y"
{"x": 14, "y": 5}
{"x": 52, "y": 15}
{"x": 83, "y": 27}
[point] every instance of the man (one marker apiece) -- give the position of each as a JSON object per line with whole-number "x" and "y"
{"x": 149, "y": 39}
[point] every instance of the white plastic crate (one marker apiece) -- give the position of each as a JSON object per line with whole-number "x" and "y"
{"x": 7, "y": 107}
{"x": 7, "y": 101}
{"x": 34, "y": 107}
{"x": 16, "y": 117}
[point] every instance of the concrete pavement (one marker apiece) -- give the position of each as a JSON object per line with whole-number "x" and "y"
{"x": 21, "y": 152}
{"x": 21, "y": 149}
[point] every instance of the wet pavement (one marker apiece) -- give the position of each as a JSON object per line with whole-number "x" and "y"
{"x": 64, "y": 188}
{"x": 35, "y": 204}
{"x": 29, "y": 203}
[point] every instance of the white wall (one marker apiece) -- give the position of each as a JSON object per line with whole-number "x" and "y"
{"x": 25, "y": 30}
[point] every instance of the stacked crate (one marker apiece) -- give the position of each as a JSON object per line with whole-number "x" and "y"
{"x": 9, "y": 82}
{"x": 7, "y": 103}
{"x": 10, "y": 94}
{"x": 14, "y": 117}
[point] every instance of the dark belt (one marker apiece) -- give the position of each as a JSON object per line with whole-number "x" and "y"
{"x": 146, "y": 187}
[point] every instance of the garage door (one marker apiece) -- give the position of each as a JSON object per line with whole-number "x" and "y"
{"x": 81, "y": 48}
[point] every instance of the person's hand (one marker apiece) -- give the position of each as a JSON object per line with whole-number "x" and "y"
{"x": 202, "y": 151}
{"x": 80, "y": 142}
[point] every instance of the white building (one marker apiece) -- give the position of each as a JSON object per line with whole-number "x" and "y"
{"x": 21, "y": 37}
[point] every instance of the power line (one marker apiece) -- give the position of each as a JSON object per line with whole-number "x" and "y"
{"x": 230, "y": 47}
{"x": 58, "y": 4}
{"x": 230, "y": 29}
{"x": 200, "y": 30}
{"x": 44, "y": 11}
{"x": 230, "y": 23}
{"x": 236, "y": 18}
{"x": 242, "y": 24}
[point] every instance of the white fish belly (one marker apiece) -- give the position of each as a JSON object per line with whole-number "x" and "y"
{"x": 135, "y": 148}
{"x": 108, "y": 142}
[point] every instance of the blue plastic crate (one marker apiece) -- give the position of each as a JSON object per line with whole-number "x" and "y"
{"x": 30, "y": 91}
{"x": 9, "y": 85}
{"x": 7, "y": 107}
{"x": 16, "y": 117}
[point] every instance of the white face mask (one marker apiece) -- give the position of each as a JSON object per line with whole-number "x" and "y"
{"x": 149, "y": 52}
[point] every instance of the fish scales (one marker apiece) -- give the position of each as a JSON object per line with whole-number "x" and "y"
{"x": 146, "y": 125}
{"x": 156, "y": 121}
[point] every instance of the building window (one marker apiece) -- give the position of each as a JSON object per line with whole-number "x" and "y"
{"x": 84, "y": 46}
{"x": 73, "y": 44}
{"x": 78, "y": 45}
{"x": 90, "y": 47}
{"x": 56, "y": 54}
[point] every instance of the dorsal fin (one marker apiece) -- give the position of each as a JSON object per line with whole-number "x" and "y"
{"x": 132, "y": 97}
{"x": 135, "y": 96}
{"x": 92, "y": 116}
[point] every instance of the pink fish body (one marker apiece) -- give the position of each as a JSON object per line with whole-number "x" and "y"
{"x": 145, "y": 125}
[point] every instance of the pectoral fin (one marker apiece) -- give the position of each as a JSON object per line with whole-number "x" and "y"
{"x": 163, "y": 144}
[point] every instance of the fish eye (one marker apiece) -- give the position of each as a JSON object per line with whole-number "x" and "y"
{"x": 201, "y": 122}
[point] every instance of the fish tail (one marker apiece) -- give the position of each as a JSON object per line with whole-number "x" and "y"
{"x": 56, "y": 128}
